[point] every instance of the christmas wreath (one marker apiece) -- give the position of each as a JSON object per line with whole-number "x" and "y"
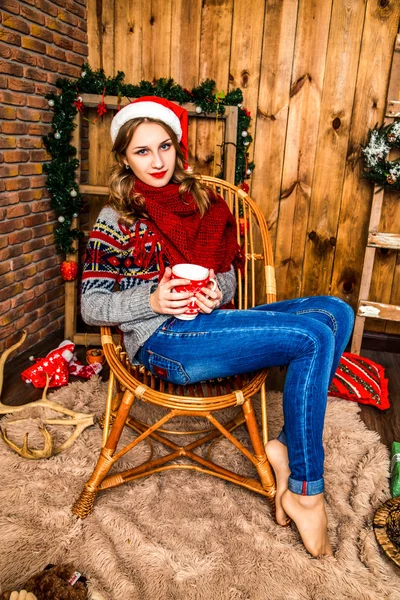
{"x": 61, "y": 182}
{"x": 378, "y": 168}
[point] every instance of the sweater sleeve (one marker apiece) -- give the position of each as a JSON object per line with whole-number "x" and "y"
{"x": 227, "y": 284}
{"x": 119, "y": 308}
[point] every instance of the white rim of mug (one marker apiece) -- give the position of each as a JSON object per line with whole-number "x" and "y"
{"x": 188, "y": 265}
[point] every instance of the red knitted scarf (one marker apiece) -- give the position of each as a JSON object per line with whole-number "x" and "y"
{"x": 185, "y": 237}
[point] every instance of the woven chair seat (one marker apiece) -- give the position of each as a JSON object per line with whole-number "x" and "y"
{"x": 213, "y": 394}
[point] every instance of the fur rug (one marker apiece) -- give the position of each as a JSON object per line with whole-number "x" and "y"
{"x": 185, "y": 536}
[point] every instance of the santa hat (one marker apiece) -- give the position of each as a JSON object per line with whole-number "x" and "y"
{"x": 161, "y": 109}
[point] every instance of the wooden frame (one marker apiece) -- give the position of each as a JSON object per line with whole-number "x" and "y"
{"x": 113, "y": 102}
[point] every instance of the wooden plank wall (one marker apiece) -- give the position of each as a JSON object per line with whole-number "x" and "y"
{"x": 314, "y": 74}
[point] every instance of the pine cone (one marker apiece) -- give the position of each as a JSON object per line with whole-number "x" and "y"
{"x": 393, "y": 526}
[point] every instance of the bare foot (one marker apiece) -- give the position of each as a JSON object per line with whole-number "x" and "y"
{"x": 308, "y": 512}
{"x": 279, "y": 461}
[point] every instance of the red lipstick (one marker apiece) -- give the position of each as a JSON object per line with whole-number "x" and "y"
{"x": 159, "y": 175}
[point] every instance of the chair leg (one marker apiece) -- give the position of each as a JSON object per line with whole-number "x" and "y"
{"x": 264, "y": 418}
{"x": 114, "y": 396}
{"x": 263, "y": 468}
{"x": 117, "y": 397}
{"x": 112, "y": 404}
{"x": 83, "y": 506}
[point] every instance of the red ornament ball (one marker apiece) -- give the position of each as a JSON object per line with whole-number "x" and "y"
{"x": 245, "y": 187}
{"x": 243, "y": 226}
{"x": 69, "y": 270}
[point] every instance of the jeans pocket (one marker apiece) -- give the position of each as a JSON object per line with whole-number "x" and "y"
{"x": 166, "y": 368}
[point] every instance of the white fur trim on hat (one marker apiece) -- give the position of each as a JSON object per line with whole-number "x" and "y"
{"x": 153, "y": 110}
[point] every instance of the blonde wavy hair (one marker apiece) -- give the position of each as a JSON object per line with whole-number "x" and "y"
{"x": 131, "y": 205}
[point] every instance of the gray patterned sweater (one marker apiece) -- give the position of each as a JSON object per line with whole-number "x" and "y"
{"x": 116, "y": 291}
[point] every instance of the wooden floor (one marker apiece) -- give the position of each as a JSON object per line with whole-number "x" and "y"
{"x": 386, "y": 423}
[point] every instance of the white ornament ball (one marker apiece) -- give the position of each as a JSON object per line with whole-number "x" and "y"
{"x": 61, "y": 219}
{"x": 73, "y": 193}
{"x": 244, "y": 134}
{"x": 239, "y": 105}
{"x": 246, "y": 143}
{"x": 248, "y": 172}
{"x": 83, "y": 73}
{"x": 57, "y": 135}
{"x": 199, "y": 109}
{"x": 80, "y": 99}
{"x": 75, "y": 215}
{"x": 51, "y": 102}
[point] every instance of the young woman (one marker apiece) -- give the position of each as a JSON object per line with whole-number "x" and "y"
{"x": 159, "y": 215}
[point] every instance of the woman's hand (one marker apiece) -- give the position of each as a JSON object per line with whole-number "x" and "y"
{"x": 209, "y": 300}
{"x": 166, "y": 302}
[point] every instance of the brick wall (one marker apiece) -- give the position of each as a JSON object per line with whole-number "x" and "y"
{"x": 40, "y": 41}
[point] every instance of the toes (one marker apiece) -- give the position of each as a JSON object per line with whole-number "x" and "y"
{"x": 281, "y": 519}
{"x": 280, "y": 516}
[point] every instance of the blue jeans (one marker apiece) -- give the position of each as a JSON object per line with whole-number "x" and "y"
{"x": 308, "y": 335}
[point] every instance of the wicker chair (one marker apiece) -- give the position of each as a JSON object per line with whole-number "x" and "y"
{"x": 128, "y": 383}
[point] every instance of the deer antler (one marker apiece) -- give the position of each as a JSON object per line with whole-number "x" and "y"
{"x": 26, "y": 452}
{"x": 80, "y": 421}
{"x": 6, "y": 354}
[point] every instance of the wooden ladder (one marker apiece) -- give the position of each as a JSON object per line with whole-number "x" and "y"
{"x": 367, "y": 308}
{"x": 376, "y": 239}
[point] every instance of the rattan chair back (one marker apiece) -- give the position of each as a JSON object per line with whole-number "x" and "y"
{"x": 256, "y": 283}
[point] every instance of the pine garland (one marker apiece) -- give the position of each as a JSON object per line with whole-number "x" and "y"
{"x": 66, "y": 200}
{"x": 378, "y": 168}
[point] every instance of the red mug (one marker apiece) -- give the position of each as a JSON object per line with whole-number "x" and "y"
{"x": 199, "y": 278}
